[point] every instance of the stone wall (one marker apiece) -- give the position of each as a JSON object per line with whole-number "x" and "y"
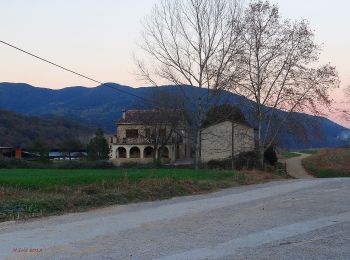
{"x": 121, "y": 131}
{"x": 217, "y": 141}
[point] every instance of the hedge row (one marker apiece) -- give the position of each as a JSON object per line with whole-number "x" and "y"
{"x": 23, "y": 164}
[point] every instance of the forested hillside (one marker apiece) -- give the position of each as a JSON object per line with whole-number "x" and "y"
{"x": 19, "y": 130}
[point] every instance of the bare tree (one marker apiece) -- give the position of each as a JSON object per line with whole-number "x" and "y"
{"x": 164, "y": 127}
{"x": 279, "y": 71}
{"x": 192, "y": 43}
{"x": 344, "y": 107}
{"x": 166, "y": 120}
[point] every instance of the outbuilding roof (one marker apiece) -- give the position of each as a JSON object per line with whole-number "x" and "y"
{"x": 244, "y": 123}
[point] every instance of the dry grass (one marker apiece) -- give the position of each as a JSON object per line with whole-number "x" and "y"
{"x": 329, "y": 163}
{"x": 256, "y": 177}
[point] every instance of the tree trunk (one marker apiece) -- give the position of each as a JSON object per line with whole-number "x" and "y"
{"x": 198, "y": 150}
{"x": 198, "y": 137}
{"x": 261, "y": 151}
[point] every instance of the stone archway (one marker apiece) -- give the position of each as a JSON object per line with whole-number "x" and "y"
{"x": 121, "y": 152}
{"x": 163, "y": 152}
{"x": 135, "y": 152}
{"x": 148, "y": 152}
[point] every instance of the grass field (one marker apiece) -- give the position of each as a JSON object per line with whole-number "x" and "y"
{"x": 309, "y": 151}
{"x": 286, "y": 155}
{"x": 48, "y": 178}
{"x": 329, "y": 163}
{"x": 26, "y": 193}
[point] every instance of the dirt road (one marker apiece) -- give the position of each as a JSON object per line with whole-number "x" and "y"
{"x": 295, "y": 168}
{"x": 297, "y": 219}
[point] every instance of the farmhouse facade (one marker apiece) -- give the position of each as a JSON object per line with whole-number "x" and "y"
{"x": 145, "y": 135}
{"x": 220, "y": 141}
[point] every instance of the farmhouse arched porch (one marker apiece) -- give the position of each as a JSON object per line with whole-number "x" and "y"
{"x": 121, "y": 152}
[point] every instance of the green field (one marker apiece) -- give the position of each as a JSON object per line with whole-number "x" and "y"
{"x": 28, "y": 193}
{"x": 309, "y": 151}
{"x": 287, "y": 155}
{"x": 49, "y": 178}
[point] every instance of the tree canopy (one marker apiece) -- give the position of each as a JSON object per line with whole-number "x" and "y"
{"x": 98, "y": 148}
{"x": 220, "y": 113}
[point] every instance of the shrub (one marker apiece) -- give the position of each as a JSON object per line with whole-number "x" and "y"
{"x": 243, "y": 160}
{"x": 246, "y": 160}
{"x": 220, "y": 164}
{"x": 23, "y": 164}
{"x": 135, "y": 165}
{"x": 270, "y": 156}
{"x": 85, "y": 165}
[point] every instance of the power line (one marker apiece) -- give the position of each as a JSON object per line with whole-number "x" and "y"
{"x": 74, "y": 72}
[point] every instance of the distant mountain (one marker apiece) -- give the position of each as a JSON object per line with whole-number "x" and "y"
{"x": 20, "y": 130}
{"x": 101, "y": 107}
{"x": 97, "y": 107}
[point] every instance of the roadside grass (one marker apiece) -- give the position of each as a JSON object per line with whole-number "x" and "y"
{"x": 287, "y": 155}
{"x": 28, "y": 193}
{"x": 309, "y": 151}
{"x": 329, "y": 163}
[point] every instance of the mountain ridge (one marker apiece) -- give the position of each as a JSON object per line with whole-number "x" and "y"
{"x": 101, "y": 106}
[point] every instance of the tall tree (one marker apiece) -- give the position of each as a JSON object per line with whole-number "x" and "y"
{"x": 39, "y": 146}
{"x": 167, "y": 122}
{"x": 191, "y": 43}
{"x": 71, "y": 145}
{"x": 345, "y": 108}
{"x": 220, "y": 113}
{"x": 279, "y": 71}
{"x": 98, "y": 148}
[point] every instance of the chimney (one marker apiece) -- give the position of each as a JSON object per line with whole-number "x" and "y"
{"x": 123, "y": 113}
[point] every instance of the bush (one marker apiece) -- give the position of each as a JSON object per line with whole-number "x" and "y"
{"x": 270, "y": 156}
{"x": 85, "y": 165}
{"x": 219, "y": 164}
{"x": 246, "y": 160}
{"x": 135, "y": 165}
{"x": 243, "y": 160}
{"x": 23, "y": 164}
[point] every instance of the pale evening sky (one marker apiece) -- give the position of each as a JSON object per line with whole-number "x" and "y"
{"x": 98, "y": 38}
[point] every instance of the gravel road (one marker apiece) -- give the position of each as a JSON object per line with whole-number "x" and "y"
{"x": 296, "y": 169}
{"x": 297, "y": 219}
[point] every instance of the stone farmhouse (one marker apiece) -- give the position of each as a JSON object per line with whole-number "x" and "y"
{"x": 221, "y": 140}
{"x": 143, "y": 135}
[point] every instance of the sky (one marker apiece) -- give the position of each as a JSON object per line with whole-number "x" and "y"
{"x": 98, "y": 38}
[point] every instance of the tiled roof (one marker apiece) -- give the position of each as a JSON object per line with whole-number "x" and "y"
{"x": 151, "y": 116}
{"x": 244, "y": 123}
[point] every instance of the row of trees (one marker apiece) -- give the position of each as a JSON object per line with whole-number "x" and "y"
{"x": 97, "y": 148}
{"x": 221, "y": 45}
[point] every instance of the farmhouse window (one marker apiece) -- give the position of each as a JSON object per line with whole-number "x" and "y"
{"x": 162, "y": 132}
{"x": 132, "y": 133}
